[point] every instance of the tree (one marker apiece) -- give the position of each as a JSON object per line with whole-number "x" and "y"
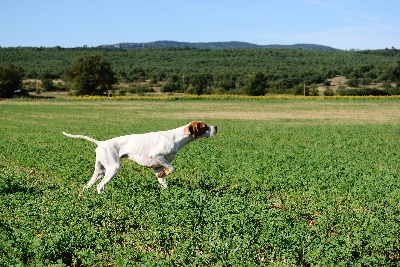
{"x": 173, "y": 84}
{"x": 353, "y": 82}
{"x": 255, "y": 84}
{"x": 394, "y": 71}
{"x": 200, "y": 83}
{"x": 10, "y": 80}
{"x": 313, "y": 91}
{"x": 226, "y": 81}
{"x": 90, "y": 75}
{"x": 47, "y": 84}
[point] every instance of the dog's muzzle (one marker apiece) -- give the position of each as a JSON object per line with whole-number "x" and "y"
{"x": 212, "y": 131}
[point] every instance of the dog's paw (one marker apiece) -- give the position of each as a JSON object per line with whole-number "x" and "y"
{"x": 100, "y": 188}
{"x": 164, "y": 173}
{"x": 161, "y": 174}
{"x": 168, "y": 171}
{"x": 162, "y": 182}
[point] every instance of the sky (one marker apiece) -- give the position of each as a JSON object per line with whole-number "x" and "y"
{"x": 342, "y": 24}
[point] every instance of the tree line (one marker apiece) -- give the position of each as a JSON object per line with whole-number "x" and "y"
{"x": 199, "y": 71}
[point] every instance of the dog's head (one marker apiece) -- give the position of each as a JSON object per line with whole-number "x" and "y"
{"x": 200, "y": 129}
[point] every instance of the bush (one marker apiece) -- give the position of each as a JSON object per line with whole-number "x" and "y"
{"x": 300, "y": 90}
{"x": 394, "y": 90}
{"x": 364, "y": 92}
{"x": 171, "y": 86}
{"x": 47, "y": 84}
{"x": 353, "y": 82}
{"x": 394, "y": 72}
{"x": 255, "y": 84}
{"x": 313, "y": 90}
{"x": 141, "y": 89}
{"x": 91, "y": 75}
{"x": 327, "y": 83}
{"x": 11, "y": 81}
{"x": 200, "y": 83}
{"x": 329, "y": 92}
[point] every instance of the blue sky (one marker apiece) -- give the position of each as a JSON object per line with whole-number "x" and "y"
{"x": 343, "y": 24}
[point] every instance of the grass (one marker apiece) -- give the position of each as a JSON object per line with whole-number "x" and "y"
{"x": 300, "y": 182}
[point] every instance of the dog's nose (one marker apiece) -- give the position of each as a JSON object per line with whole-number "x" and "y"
{"x": 215, "y": 129}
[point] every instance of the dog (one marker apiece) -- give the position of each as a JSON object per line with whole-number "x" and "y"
{"x": 154, "y": 150}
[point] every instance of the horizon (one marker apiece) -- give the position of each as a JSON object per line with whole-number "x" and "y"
{"x": 207, "y": 42}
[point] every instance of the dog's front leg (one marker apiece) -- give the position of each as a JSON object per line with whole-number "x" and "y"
{"x": 168, "y": 168}
{"x": 165, "y": 169}
{"x": 159, "y": 172}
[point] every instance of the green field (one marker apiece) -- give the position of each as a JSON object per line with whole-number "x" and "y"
{"x": 292, "y": 182}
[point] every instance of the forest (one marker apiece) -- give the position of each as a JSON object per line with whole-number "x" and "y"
{"x": 218, "y": 70}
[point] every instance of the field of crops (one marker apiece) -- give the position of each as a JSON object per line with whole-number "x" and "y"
{"x": 288, "y": 182}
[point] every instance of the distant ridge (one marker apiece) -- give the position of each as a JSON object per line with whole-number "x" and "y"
{"x": 215, "y": 45}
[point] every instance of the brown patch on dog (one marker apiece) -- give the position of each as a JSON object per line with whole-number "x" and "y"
{"x": 161, "y": 174}
{"x": 197, "y": 128}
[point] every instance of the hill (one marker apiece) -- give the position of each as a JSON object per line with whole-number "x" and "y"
{"x": 216, "y": 45}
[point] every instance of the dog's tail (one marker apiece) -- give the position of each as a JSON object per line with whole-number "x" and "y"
{"x": 83, "y": 137}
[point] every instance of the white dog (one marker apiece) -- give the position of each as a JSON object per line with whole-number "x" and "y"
{"x": 154, "y": 150}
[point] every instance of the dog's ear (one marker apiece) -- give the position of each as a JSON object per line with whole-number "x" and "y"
{"x": 197, "y": 128}
{"x": 193, "y": 129}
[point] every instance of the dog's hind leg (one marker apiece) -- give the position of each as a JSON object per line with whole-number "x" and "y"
{"x": 98, "y": 172}
{"x": 110, "y": 173}
{"x": 109, "y": 159}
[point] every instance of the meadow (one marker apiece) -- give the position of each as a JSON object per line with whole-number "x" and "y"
{"x": 286, "y": 182}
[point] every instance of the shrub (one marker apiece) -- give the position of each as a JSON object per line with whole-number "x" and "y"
{"x": 47, "y": 84}
{"x": 10, "y": 81}
{"x": 313, "y": 90}
{"x": 90, "y": 75}
{"x": 300, "y": 90}
{"x": 200, "y": 83}
{"x": 255, "y": 84}
{"x": 141, "y": 89}
{"x": 364, "y": 92}
{"x": 171, "y": 86}
{"x": 353, "y": 82}
{"x": 329, "y": 92}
